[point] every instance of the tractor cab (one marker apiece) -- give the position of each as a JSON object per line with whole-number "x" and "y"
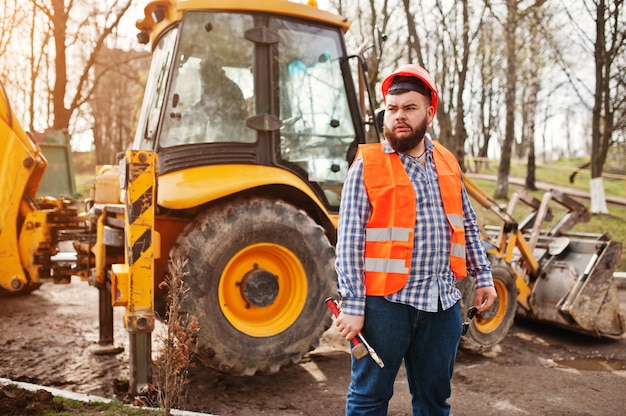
{"x": 251, "y": 87}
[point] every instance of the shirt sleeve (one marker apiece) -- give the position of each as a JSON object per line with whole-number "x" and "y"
{"x": 354, "y": 212}
{"x": 478, "y": 264}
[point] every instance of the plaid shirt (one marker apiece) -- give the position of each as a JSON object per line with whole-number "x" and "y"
{"x": 431, "y": 277}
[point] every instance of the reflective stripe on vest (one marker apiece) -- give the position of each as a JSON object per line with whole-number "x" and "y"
{"x": 390, "y": 229}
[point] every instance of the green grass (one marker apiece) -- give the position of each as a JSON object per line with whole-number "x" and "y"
{"x": 84, "y": 184}
{"x": 15, "y": 400}
{"x": 84, "y": 172}
{"x": 114, "y": 408}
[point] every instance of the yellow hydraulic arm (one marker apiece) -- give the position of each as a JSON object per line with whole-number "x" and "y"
{"x": 510, "y": 237}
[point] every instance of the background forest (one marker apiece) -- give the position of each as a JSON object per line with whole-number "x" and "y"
{"x": 519, "y": 80}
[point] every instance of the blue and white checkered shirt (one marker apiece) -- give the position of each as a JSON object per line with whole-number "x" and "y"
{"x": 431, "y": 277}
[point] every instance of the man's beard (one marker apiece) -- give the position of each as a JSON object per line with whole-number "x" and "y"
{"x": 409, "y": 142}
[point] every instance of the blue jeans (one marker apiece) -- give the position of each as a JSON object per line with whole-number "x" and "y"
{"x": 427, "y": 342}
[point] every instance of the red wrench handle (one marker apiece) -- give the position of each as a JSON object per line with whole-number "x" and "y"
{"x": 332, "y": 305}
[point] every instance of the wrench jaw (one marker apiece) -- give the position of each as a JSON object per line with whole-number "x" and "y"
{"x": 377, "y": 359}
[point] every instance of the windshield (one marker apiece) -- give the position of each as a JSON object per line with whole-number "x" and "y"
{"x": 154, "y": 92}
{"x": 317, "y": 126}
{"x": 212, "y": 87}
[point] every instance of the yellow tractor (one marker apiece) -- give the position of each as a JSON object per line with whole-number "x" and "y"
{"x": 31, "y": 227}
{"x": 250, "y": 117}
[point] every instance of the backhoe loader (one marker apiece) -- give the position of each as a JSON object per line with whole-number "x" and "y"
{"x": 250, "y": 117}
{"x": 558, "y": 277}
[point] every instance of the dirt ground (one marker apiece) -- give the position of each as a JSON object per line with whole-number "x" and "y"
{"x": 48, "y": 338}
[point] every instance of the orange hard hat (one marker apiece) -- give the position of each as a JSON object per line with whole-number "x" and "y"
{"x": 413, "y": 70}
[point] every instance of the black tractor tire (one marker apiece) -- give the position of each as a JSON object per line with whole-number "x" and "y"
{"x": 258, "y": 273}
{"x": 491, "y": 326}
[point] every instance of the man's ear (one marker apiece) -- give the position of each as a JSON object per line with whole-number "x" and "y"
{"x": 431, "y": 114}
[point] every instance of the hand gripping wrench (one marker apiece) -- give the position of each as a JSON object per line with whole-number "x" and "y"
{"x": 361, "y": 347}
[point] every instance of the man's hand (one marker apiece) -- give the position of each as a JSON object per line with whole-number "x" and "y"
{"x": 485, "y": 296}
{"x": 349, "y": 325}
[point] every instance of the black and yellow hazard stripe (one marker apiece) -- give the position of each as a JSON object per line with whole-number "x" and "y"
{"x": 140, "y": 181}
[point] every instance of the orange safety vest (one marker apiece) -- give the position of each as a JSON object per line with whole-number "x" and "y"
{"x": 390, "y": 229}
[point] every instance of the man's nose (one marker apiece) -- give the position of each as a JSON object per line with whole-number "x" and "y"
{"x": 400, "y": 115}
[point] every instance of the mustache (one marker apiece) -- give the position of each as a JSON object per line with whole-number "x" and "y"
{"x": 401, "y": 123}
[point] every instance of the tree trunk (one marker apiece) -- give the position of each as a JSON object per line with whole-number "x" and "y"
{"x": 460, "y": 134}
{"x": 486, "y": 93}
{"x": 61, "y": 115}
{"x": 531, "y": 103}
{"x": 596, "y": 186}
{"x": 502, "y": 184}
{"x": 414, "y": 40}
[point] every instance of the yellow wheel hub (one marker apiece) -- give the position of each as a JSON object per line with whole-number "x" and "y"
{"x": 262, "y": 289}
{"x": 489, "y": 321}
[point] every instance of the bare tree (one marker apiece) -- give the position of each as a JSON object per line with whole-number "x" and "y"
{"x": 414, "y": 42}
{"x": 451, "y": 38}
{"x": 513, "y": 14}
{"x": 12, "y": 65}
{"x": 66, "y": 32}
{"x": 38, "y": 70}
{"x": 529, "y": 105}
{"x": 460, "y": 133}
{"x": 446, "y": 72}
{"x": 609, "y": 45}
{"x": 116, "y": 100}
{"x": 9, "y": 20}
{"x": 488, "y": 100}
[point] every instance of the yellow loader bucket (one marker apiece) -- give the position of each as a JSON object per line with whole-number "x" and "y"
{"x": 576, "y": 289}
